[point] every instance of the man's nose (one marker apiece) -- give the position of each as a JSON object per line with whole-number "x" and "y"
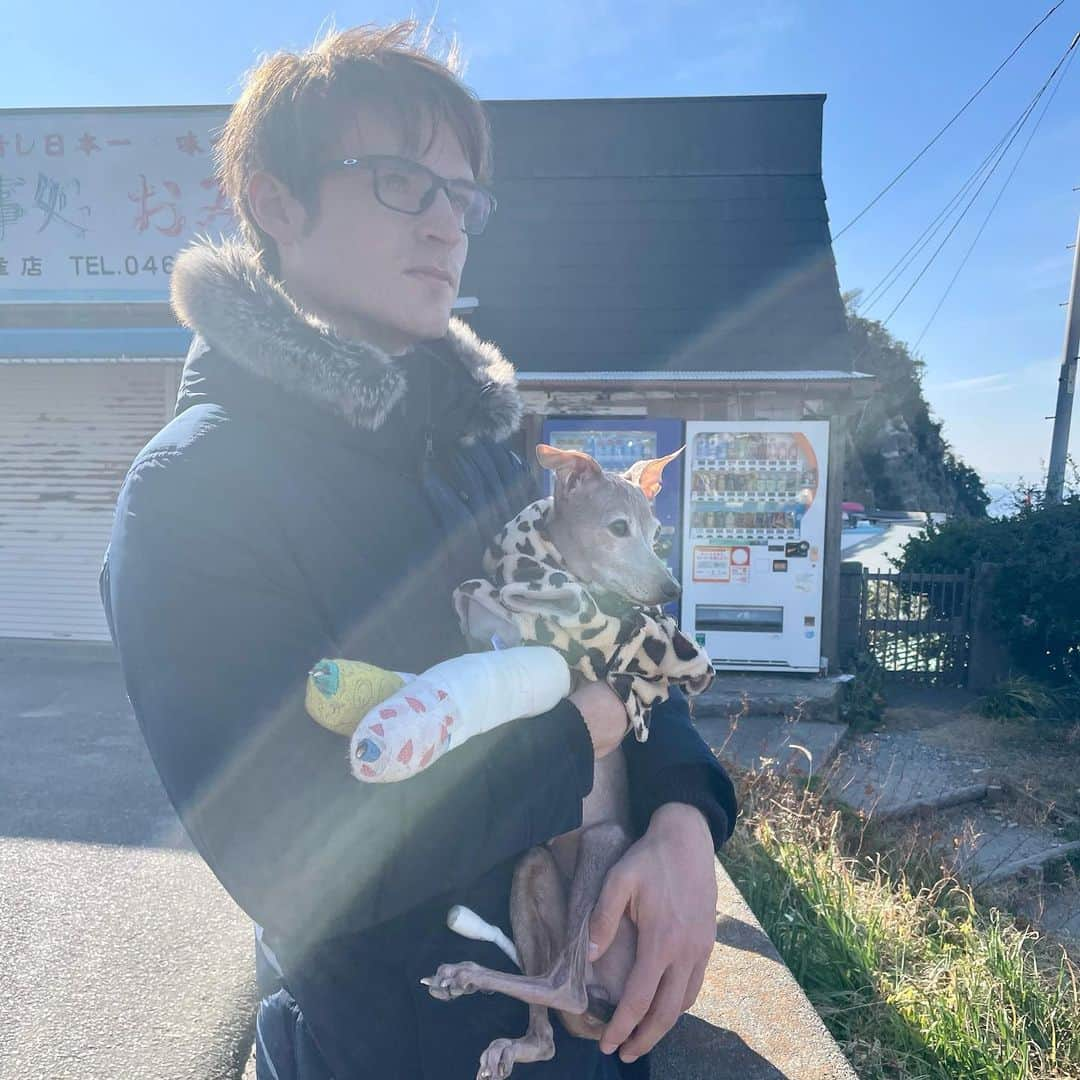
{"x": 442, "y": 222}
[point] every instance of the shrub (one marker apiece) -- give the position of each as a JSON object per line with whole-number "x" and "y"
{"x": 863, "y": 705}
{"x": 1022, "y": 697}
{"x": 1036, "y": 599}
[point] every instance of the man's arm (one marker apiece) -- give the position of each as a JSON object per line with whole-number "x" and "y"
{"x": 684, "y": 805}
{"x": 675, "y": 765}
{"x": 215, "y": 653}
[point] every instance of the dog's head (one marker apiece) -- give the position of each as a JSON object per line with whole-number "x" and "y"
{"x": 604, "y": 527}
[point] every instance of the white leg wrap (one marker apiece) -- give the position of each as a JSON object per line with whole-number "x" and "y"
{"x": 467, "y": 923}
{"x": 448, "y": 704}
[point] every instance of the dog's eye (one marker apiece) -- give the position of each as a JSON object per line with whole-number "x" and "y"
{"x": 620, "y": 527}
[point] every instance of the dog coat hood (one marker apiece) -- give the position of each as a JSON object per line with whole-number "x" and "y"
{"x": 639, "y": 650}
{"x": 222, "y": 292}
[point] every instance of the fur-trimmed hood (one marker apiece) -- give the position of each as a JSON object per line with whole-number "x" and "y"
{"x": 220, "y": 291}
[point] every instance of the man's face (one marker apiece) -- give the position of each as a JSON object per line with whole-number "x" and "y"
{"x": 374, "y": 273}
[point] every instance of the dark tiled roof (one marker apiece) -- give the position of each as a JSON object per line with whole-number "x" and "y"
{"x": 685, "y": 234}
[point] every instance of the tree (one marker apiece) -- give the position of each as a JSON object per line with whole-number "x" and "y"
{"x": 898, "y": 457}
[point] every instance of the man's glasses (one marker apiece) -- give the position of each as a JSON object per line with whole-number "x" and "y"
{"x": 410, "y": 188}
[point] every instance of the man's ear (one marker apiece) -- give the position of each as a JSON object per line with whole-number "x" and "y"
{"x": 646, "y": 474}
{"x": 571, "y": 467}
{"x": 276, "y": 210}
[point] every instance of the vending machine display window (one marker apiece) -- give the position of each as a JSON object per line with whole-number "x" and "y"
{"x": 613, "y": 449}
{"x": 751, "y": 487}
{"x": 754, "y": 511}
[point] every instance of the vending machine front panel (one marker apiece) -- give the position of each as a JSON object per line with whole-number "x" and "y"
{"x": 616, "y": 444}
{"x": 754, "y": 539}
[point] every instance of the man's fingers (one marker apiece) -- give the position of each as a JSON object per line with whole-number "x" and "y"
{"x": 693, "y": 987}
{"x": 607, "y": 914}
{"x": 636, "y": 1000}
{"x": 660, "y": 1019}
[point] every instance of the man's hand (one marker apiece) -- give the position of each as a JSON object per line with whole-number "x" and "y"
{"x": 604, "y": 714}
{"x": 666, "y": 884}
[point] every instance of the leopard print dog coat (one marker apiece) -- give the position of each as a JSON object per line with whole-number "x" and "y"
{"x": 639, "y": 650}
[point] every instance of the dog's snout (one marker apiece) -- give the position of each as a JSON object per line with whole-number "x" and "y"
{"x": 671, "y": 590}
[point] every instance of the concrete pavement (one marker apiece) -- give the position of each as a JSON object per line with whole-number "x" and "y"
{"x": 121, "y": 955}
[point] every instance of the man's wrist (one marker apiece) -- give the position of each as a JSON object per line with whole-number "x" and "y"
{"x": 682, "y": 818}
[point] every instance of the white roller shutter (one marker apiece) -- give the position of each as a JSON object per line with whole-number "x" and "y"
{"x": 68, "y": 432}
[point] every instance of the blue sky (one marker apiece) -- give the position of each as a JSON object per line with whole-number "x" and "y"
{"x": 893, "y": 75}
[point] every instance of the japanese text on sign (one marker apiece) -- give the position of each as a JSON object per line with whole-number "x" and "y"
{"x": 96, "y": 204}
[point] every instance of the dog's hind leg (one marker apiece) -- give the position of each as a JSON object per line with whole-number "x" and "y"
{"x": 565, "y": 984}
{"x": 538, "y": 916}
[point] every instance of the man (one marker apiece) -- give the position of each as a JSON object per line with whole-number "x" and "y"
{"x": 333, "y": 472}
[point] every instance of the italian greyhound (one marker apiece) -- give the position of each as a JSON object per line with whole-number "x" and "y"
{"x": 604, "y": 528}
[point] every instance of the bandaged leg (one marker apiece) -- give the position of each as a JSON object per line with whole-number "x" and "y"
{"x": 467, "y": 923}
{"x": 445, "y": 706}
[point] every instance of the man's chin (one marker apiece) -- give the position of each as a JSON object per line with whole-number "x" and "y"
{"x": 430, "y": 328}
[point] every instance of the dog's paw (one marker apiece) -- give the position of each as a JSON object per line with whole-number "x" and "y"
{"x": 498, "y": 1060}
{"x": 453, "y": 981}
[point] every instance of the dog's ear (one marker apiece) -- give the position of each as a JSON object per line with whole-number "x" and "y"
{"x": 570, "y": 467}
{"x": 646, "y": 474}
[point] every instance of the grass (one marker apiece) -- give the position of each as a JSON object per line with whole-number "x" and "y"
{"x": 915, "y": 979}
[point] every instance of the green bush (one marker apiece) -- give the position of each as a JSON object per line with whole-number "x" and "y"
{"x": 863, "y": 705}
{"x": 1021, "y": 698}
{"x": 1036, "y": 599}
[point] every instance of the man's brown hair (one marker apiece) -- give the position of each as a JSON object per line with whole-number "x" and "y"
{"x": 296, "y": 108}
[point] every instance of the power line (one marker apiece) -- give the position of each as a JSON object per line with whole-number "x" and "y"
{"x": 915, "y": 249}
{"x": 978, "y": 192}
{"x": 990, "y": 213}
{"x": 896, "y": 271}
{"x": 956, "y": 117}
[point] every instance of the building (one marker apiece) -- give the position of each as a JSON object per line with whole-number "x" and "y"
{"x": 650, "y": 257}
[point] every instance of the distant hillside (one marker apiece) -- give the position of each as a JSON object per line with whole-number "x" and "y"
{"x": 896, "y": 456}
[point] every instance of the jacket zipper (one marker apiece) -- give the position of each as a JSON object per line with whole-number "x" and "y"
{"x": 429, "y": 441}
{"x": 427, "y": 431}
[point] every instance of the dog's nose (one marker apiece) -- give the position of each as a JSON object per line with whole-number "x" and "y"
{"x": 671, "y": 590}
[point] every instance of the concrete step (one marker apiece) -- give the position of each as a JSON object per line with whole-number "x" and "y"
{"x": 896, "y": 774}
{"x": 797, "y": 697}
{"x": 1056, "y": 910}
{"x": 751, "y": 743}
{"x": 789, "y": 723}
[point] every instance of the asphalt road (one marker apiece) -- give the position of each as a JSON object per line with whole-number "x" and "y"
{"x": 873, "y": 545}
{"x": 120, "y": 955}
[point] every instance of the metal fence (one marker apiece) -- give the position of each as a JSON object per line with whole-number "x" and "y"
{"x": 918, "y": 626}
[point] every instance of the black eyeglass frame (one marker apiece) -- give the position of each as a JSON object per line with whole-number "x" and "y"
{"x": 438, "y": 183}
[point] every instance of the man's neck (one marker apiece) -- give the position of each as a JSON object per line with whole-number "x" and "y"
{"x": 353, "y": 327}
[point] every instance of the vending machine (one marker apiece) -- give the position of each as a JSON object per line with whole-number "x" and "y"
{"x": 616, "y": 445}
{"x": 753, "y": 528}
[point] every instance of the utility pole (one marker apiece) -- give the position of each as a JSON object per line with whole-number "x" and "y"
{"x": 1059, "y": 446}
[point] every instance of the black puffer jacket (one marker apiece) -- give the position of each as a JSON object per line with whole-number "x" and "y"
{"x": 303, "y": 505}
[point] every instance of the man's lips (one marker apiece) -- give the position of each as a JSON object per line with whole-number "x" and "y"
{"x": 432, "y": 273}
